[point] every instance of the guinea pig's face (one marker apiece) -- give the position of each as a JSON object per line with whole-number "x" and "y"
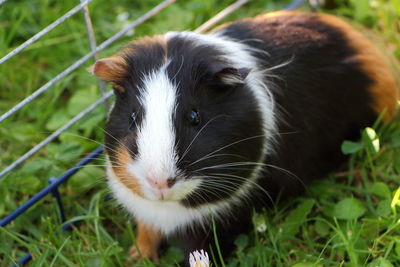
{"x": 185, "y": 126}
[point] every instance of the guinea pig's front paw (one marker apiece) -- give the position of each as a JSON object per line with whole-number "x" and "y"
{"x": 147, "y": 243}
{"x": 136, "y": 254}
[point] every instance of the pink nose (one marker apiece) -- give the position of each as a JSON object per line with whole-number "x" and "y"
{"x": 163, "y": 184}
{"x": 157, "y": 184}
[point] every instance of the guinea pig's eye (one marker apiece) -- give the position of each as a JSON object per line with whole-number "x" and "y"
{"x": 132, "y": 119}
{"x": 194, "y": 117}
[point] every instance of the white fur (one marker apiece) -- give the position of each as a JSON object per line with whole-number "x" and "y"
{"x": 156, "y": 135}
{"x": 165, "y": 216}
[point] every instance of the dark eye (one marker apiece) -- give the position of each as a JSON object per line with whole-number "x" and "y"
{"x": 132, "y": 120}
{"x": 194, "y": 117}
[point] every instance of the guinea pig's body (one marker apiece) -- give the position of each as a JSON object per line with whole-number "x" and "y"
{"x": 215, "y": 126}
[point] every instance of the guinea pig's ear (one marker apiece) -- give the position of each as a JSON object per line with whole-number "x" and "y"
{"x": 110, "y": 69}
{"x": 229, "y": 75}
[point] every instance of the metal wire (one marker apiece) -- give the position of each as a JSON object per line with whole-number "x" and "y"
{"x": 25, "y": 259}
{"x": 220, "y": 15}
{"x": 55, "y": 134}
{"x": 295, "y": 4}
{"x": 93, "y": 45}
{"x": 36, "y": 148}
{"x": 48, "y": 189}
{"x": 82, "y": 60}
{"x": 44, "y": 31}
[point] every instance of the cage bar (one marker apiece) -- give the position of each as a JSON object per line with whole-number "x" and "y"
{"x": 55, "y": 134}
{"x": 82, "y": 60}
{"x": 220, "y": 15}
{"x": 56, "y": 195}
{"x": 44, "y": 31}
{"x": 93, "y": 45}
{"x": 295, "y": 4}
{"x": 48, "y": 189}
{"x": 74, "y": 66}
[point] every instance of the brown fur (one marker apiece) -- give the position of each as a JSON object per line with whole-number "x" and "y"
{"x": 146, "y": 41}
{"x": 111, "y": 69}
{"x": 114, "y": 69}
{"x": 147, "y": 242}
{"x": 122, "y": 159}
{"x": 384, "y": 89}
{"x": 149, "y": 41}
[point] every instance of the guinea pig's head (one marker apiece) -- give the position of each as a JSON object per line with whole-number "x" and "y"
{"x": 186, "y": 126}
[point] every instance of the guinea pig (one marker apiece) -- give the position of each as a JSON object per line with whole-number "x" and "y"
{"x": 207, "y": 128}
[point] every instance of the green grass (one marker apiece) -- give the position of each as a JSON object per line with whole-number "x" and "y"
{"x": 349, "y": 219}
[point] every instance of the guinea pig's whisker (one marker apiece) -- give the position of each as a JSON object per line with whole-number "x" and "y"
{"x": 195, "y": 137}
{"x": 207, "y": 156}
{"x": 233, "y": 143}
{"x": 207, "y": 181}
{"x": 85, "y": 138}
{"x": 213, "y": 156}
{"x": 236, "y": 178}
{"x": 234, "y": 164}
{"x": 236, "y": 168}
{"x": 289, "y": 173}
{"x": 92, "y": 140}
{"x": 213, "y": 191}
{"x": 232, "y": 187}
{"x": 111, "y": 159}
{"x": 199, "y": 195}
{"x": 119, "y": 142}
{"x": 285, "y": 133}
{"x": 220, "y": 186}
{"x": 176, "y": 74}
{"x": 128, "y": 180}
{"x": 93, "y": 165}
{"x": 238, "y": 164}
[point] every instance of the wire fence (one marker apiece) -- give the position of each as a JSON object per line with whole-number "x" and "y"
{"x": 54, "y": 183}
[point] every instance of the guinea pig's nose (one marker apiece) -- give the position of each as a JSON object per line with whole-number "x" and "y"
{"x": 163, "y": 184}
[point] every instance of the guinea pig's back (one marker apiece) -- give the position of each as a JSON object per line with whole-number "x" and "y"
{"x": 332, "y": 83}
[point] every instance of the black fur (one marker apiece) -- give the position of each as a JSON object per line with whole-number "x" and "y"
{"x": 225, "y": 119}
{"x": 322, "y": 95}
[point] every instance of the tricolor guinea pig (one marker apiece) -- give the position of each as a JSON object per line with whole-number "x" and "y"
{"x": 206, "y": 128}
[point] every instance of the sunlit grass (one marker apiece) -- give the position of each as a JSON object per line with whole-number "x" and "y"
{"x": 349, "y": 219}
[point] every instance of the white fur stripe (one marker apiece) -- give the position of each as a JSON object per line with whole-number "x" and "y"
{"x": 156, "y": 135}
